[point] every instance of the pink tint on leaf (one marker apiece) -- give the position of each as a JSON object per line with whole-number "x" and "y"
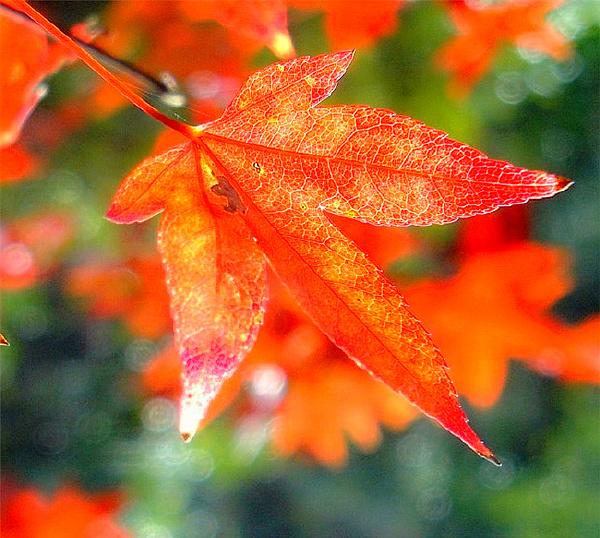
{"x": 215, "y": 273}
{"x": 279, "y": 163}
{"x": 273, "y": 160}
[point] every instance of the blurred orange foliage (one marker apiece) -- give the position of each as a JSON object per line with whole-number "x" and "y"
{"x": 488, "y": 312}
{"x": 30, "y": 248}
{"x": 496, "y": 307}
{"x": 68, "y": 513}
{"x": 572, "y": 353}
{"x": 354, "y": 23}
{"x": 328, "y": 397}
{"x": 27, "y": 57}
{"x": 133, "y": 290}
{"x": 17, "y": 163}
{"x": 261, "y": 21}
{"x": 209, "y": 61}
{"x": 482, "y": 29}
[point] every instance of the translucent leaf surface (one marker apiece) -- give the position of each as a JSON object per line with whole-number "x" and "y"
{"x": 215, "y": 272}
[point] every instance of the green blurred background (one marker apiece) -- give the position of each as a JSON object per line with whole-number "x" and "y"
{"x": 67, "y": 413}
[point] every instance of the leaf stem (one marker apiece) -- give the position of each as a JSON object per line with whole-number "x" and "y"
{"x": 95, "y": 65}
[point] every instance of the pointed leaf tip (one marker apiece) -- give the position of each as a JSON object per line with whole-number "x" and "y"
{"x": 562, "y": 184}
{"x": 190, "y": 415}
{"x": 493, "y": 459}
{"x": 346, "y": 56}
{"x": 482, "y": 450}
{"x": 112, "y": 214}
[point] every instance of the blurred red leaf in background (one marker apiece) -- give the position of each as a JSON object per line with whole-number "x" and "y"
{"x": 262, "y": 21}
{"x": 159, "y": 38}
{"x": 323, "y": 399}
{"x": 133, "y": 290}
{"x": 572, "y": 353}
{"x": 68, "y": 513}
{"x": 496, "y": 307}
{"x": 17, "y": 163}
{"x": 30, "y": 248}
{"x": 27, "y": 57}
{"x": 483, "y": 28}
{"x": 354, "y": 23}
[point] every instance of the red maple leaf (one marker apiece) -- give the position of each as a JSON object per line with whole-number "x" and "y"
{"x": 260, "y": 182}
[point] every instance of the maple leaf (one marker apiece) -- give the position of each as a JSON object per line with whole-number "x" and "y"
{"x": 3, "y": 340}
{"x": 483, "y": 29}
{"x": 318, "y": 415}
{"x": 279, "y": 161}
{"x": 261, "y": 179}
{"x": 327, "y": 398}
